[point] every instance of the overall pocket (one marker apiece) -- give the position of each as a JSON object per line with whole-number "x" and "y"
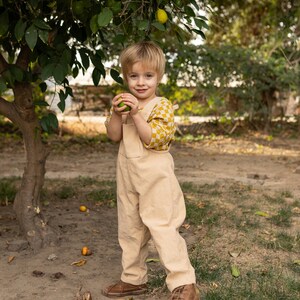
{"x": 132, "y": 142}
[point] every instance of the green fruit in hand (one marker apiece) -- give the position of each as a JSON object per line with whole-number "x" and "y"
{"x": 121, "y": 104}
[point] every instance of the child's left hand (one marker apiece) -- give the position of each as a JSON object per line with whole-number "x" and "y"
{"x": 131, "y": 101}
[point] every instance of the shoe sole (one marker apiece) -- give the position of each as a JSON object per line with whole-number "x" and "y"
{"x": 116, "y": 295}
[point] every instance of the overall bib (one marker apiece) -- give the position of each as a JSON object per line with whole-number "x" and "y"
{"x": 150, "y": 204}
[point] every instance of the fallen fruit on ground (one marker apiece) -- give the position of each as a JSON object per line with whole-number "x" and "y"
{"x": 82, "y": 208}
{"x": 85, "y": 251}
{"x": 161, "y": 16}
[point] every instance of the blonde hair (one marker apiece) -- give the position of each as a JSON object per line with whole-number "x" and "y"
{"x": 146, "y": 52}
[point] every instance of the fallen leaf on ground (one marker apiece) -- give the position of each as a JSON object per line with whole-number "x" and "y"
{"x": 296, "y": 210}
{"x": 52, "y": 257}
{"x": 57, "y": 276}
{"x": 297, "y": 262}
{"x": 261, "y": 213}
{"x": 234, "y": 254}
{"x": 79, "y": 263}
{"x": 37, "y": 273}
{"x": 87, "y": 296}
{"x": 186, "y": 225}
{"x": 10, "y": 259}
{"x": 235, "y": 271}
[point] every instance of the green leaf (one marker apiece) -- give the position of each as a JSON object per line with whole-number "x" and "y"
{"x": 96, "y": 75}
{"x": 4, "y": 23}
{"x": 41, "y": 103}
{"x": 41, "y": 24}
{"x": 297, "y": 262}
{"x": 200, "y": 23}
{"x": 20, "y": 30}
{"x": 189, "y": 11}
{"x": 34, "y": 3}
{"x": 62, "y": 105}
{"x": 116, "y": 76}
{"x": 53, "y": 122}
{"x": 96, "y": 59}
{"x": 45, "y": 123}
{"x": 7, "y": 75}
{"x": 119, "y": 38}
{"x": 62, "y": 95}
{"x": 47, "y": 71}
{"x": 69, "y": 91}
{"x": 59, "y": 72}
{"x": 75, "y": 72}
{"x": 235, "y": 272}
{"x": 195, "y": 4}
{"x": 17, "y": 73}
{"x": 143, "y": 25}
{"x": 43, "y": 35}
{"x": 3, "y": 86}
{"x": 84, "y": 58}
{"x": 49, "y": 122}
{"x": 66, "y": 56}
{"x": 94, "y": 23}
{"x": 159, "y": 26}
{"x": 200, "y": 33}
{"x": 31, "y": 36}
{"x": 105, "y": 17}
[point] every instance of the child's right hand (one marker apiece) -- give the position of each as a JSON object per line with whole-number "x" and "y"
{"x": 119, "y": 110}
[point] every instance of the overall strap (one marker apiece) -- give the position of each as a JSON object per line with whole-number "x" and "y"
{"x": 146, "y": 112}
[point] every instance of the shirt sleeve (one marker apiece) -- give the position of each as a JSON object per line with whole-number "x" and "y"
{"x": 163, "y": 126}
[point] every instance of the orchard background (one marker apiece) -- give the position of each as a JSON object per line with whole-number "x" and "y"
{"x": 233, "y": 69}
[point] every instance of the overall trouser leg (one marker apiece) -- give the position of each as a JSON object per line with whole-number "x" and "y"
{"x": 163, "y": 212}
{"x": 133, "y": 234}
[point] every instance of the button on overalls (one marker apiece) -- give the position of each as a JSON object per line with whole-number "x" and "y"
{"x": 150, "y": 204}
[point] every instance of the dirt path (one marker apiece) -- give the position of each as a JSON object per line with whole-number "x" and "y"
{"x": 270, "y": 165}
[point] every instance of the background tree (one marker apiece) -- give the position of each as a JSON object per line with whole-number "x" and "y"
{"x": 251, "y": 55}
{"x": 44, "y": 40}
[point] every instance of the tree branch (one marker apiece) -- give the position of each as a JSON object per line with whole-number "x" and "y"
{"x": 3, "y": 63}
{"x": 23, "y": 57}
{"x": 7, "y": 110}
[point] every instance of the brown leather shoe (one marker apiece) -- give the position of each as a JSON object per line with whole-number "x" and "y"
{"x": 186, "y": 292}
{"x": 121, "y": 289}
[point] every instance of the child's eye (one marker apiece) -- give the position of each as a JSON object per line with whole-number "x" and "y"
{"x": 133, "y": 76}
{"x": 149, "y": 75}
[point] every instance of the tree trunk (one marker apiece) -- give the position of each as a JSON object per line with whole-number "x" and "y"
{"x": 27, "y": 201}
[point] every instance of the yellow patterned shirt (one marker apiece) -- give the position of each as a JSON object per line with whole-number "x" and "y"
{"x": 162, "y": 124}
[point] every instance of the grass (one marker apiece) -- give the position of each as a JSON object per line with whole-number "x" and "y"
{"x": 8, "y": 190}
{"x": 226, "y": 231}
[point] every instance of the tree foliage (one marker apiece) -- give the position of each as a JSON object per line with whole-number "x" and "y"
{"x": 251, "y": 53}
{"x": 45, "y": 41}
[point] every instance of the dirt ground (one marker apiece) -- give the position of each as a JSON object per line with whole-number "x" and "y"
{"x": 49, "y": 275}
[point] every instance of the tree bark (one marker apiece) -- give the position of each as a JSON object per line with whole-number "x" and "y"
{"x": 27, "y": 201}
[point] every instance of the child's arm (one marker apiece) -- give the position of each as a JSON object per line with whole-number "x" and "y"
{"x": 114, "y": 127}
{"x": 143, "y": 128}
{"x": 114, "y": 122}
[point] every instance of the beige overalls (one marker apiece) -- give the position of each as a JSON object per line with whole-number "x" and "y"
{"x": 150, "y": 204}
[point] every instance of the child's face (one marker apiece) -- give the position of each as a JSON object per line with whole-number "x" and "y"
{"x": 142, "y": 81}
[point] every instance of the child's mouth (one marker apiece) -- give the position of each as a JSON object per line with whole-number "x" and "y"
{"x": 141, "y": 91}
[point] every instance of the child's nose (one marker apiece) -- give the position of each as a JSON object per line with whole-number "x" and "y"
{"x": 141, "y": 80}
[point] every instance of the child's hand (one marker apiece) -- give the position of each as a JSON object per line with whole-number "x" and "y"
{"x": 120, "y": 110}
{"x": 129, "y": 100}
